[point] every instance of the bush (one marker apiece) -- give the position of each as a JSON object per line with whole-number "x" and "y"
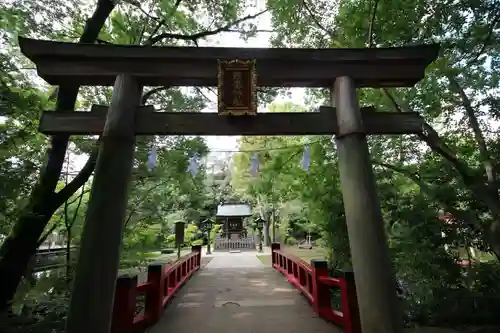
{"x": 42, "y": 309}
{"x": 197, "y": 242}
{"x": 291, "y": 241}
{"x": 171, "y": 239}
{"x": 320, "y": 242}
{"x": 437, "y": 292}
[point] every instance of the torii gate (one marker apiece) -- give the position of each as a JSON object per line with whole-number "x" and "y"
{"x": 131, "y": 67}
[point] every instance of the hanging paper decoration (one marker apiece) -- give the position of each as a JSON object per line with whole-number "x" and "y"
{"x": 152, "y": 159}
{"x": 193, "y": 165}
{"x": 305, "y": 158}
{"x": 254, "y": 167}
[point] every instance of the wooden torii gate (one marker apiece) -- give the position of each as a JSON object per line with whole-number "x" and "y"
{"x": 129, "y": 68}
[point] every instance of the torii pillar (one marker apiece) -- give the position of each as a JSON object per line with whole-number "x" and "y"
{"x": 93, "y": 292}
{"x": 373, "y": 273}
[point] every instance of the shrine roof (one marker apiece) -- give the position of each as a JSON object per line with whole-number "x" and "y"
{"x": 98, "y": 64}
{"x": 234, "y": 210}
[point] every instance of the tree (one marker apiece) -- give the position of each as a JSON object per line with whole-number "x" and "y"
{"x": 131, "y": 23}
{"x": 458, "y": 94}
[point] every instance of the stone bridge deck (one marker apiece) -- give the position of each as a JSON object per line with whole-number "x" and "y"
{"x": 236, "y": 293}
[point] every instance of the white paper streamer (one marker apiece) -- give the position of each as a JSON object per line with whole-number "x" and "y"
{"x": 152, "y": 159}
{"x": 254, "y": 167}
{"x": 193, "y": 165}
{"x": 306, "y": 158}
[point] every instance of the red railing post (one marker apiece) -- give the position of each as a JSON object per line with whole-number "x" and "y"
{"x": 320, "y": 293}
{"x": 155, "y": 292}
{"x": 124, "y": 304}
{"x": 197, "y": 249}
{"x": 349, "y": 302}
{"x": 274, "y": 257}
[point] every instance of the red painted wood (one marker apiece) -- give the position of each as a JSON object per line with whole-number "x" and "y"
{"x": 154, "y": 294}
{"x": 163, "y": 282}
{"x": 124, "y": 304}
{"x": 315, "y": 284}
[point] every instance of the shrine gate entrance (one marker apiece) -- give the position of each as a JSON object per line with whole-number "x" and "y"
{"x": 129, "y": 68}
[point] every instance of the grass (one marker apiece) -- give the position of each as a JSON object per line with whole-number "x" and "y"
{"x": 304, "y": 254}
{"x": 265, "y": 259}
{"x": 150, "y": 257}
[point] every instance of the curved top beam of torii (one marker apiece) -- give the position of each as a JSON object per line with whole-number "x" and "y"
{"x": 94, "y": 64}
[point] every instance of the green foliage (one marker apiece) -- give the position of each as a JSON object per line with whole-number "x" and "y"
{"x": 43, "y": 310}
{"x": 171, "y": 239}
{"x": 291, "y": 241}
{"x": 22, "y": 148}
{"x": 192, "y": 235}
{"x": 158, "y": 198}
{"x": 415, "y": 180}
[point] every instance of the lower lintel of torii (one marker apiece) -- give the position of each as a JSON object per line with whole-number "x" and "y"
{"x": 149, "y": 122}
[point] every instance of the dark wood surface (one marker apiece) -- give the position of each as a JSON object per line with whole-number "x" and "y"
{"x": 91, "y": 64}
{"x": 192, "y": 123}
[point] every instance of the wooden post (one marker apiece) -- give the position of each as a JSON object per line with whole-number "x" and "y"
{"x": 274, "y": 256}
{"x": 375, "y": 282}
{"x": 124, "y": 304}
{"x": 321, "y": 293}
{"x": 94, "y": 286}
{"x": 197, "y": 249}
{"x": 349, "y": 302}
{"x": 155, "y": 293}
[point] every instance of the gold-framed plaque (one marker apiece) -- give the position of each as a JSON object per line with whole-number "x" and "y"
{"x": 237, "y": 87}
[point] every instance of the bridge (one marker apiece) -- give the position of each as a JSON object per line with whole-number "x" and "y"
{"x": 236, "y": 292}
{"x": 50, "y": 258}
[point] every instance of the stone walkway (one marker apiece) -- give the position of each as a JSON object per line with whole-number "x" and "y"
{"x": 236, "y": 293}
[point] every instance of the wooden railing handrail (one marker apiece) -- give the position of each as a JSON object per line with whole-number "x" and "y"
{"x": 164, "y": 280}
{"x": 314, "y": 282}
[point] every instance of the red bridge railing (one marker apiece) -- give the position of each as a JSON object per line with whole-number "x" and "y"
{"x": 162, "y": 283}
{"x": 315, "y": 284}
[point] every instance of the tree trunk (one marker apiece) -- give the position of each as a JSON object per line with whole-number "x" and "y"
{"x": 18, "y": 248}
{"x": 68, "y": 255}
{"x": 267, "y": 236}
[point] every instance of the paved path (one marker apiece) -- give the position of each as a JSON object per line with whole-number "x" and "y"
{"x": 234, "y": 260}
{"x": 236, "y": 293}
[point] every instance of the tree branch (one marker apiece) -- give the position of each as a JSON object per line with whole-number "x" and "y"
{"x": 80, "y": 199}
{"x": 155, "y": 31}
{"x": 66, "y": 99}
{"x": 46, "y": 235}
{"x": 102, "y": 41}
{"x": 372, "y": 23}
{"x": 478, "y": 134}
{"x": 162, "y": 23}
{"x": 194, "y": 37}
{"x": 413, "y": 176}
{"x": 487, "y": 40}
{"x": 246, "y": 32}
{"x": 77, "y": 198}
{"x": 151, "y": 92}
{"x": 431, "y": 137}
{"x": 466, "y": 218}
{"x": 136, "y": 206}
{"x": 316, "y": 21}
{"x": 137, "y": 4}
{"x": 198, "y": 89}
{"x": 77, "y": 182}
